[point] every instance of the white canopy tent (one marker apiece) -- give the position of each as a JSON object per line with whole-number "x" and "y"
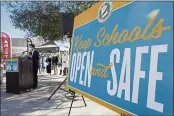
{"x": 48, "y": 47}
{"x": 63, "y": 49}
{"x": 54, "y": 46}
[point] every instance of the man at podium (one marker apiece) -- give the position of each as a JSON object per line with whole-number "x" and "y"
{"x": 35, "y": 59}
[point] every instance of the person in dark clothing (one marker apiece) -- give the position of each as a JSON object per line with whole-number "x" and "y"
{"x": 35, "y": 60}
{"x": 48, "y": 60}
{"x": 55, "y": 63}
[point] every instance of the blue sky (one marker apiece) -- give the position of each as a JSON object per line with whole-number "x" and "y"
{"x": 7, "y": 26}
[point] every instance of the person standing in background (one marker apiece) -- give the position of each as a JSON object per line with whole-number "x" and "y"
{"x": 40, "y": 63}
{"x": 61, "y": 64}
{"x": 35, "y": 60}
{"x": 55, "y": 63}
{"x": 48, "y": 67}
{"x": 65, "y": 63}
{"x": 43, "y": 64}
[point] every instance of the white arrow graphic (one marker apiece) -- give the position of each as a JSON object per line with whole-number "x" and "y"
{"x": 6, "y": 42}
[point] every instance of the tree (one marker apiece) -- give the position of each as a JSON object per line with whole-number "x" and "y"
{"x": 42, "y": 18}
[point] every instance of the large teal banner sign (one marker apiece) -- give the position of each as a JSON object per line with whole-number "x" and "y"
{"x": 123, "y": 57}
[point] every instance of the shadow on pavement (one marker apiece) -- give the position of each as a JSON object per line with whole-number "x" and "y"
{"x": 35, "y": 101}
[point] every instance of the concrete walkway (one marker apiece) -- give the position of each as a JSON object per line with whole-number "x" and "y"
{"x": 34, "y": 103}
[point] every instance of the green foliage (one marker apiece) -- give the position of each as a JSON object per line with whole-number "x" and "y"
{"x": 42, "y": 18}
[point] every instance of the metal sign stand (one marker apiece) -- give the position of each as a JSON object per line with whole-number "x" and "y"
{"x": 71, "y": 92}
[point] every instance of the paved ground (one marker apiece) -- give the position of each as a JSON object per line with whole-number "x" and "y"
{"x": 35, "y": 102}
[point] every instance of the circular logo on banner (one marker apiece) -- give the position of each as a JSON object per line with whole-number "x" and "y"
{"x": 104, "y": 11}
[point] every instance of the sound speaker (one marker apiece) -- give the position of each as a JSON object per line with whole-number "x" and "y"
{"x": 66, "y": 23}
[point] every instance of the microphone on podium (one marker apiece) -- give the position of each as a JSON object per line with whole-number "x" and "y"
{"x": 23, "y": 53}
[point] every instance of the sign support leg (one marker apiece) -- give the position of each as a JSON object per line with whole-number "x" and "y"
{"x": 57, "y": 89}
{"x": 72, "y": 92}
{"x": 71, "y": 103}
{"x": 84, "y": 101}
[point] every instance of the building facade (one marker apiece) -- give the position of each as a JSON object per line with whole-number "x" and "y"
{"x": 19, "y": 45}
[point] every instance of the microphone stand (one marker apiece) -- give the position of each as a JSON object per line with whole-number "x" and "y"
{"x": 22, "y": 53}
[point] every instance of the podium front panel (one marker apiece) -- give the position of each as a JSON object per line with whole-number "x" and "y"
{"x": 19, "y": 75}
{"x": 26, "y": 73}
{"x": 12, "y": 74}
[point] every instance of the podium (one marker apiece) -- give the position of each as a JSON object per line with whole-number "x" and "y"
{"x": 19, "y": 75}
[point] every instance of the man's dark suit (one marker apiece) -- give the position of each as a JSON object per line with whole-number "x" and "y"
{"x": 35, "y": 59}
{"x": 55, "y": 60}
